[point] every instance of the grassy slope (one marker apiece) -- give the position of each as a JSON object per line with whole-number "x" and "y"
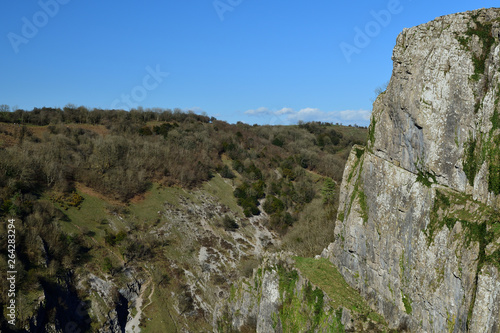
{"x": 324, "y": 275}
{"x": 93, "y": 217}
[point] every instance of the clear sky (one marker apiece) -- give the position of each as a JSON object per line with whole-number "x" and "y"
{"x": 256, "y": 61}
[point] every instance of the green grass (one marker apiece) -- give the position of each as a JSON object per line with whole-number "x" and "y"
{"x": 218, "y": 187}
{"x": 154, "y": 200}
{"x": 323, "y": 274}
{"x": 304, "y": 308}
{"x": 91, "y": 216}
{"x": 159, "y": 315}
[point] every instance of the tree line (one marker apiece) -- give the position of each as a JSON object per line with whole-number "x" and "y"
{"x": 46, "y": 152}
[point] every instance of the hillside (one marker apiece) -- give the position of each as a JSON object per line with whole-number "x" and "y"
{"x": 147, "y": 218}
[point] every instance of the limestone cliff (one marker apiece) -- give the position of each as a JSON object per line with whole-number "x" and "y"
{"x": 293, "y": 294}
{"x": 417, "y": 230}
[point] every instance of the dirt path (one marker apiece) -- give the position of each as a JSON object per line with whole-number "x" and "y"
{"x": 150, "y": 296}
{"x": 133, "y": 324}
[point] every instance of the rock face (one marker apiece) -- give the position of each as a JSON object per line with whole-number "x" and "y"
{"x": 417, "y": 230}
{"x": 280, "y": 298}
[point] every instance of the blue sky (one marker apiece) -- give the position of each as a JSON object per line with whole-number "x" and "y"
{"x": 256, "y": 61}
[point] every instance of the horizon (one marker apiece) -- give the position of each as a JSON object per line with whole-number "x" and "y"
{"x": 6, "y": 108}
{"x": 253, "y": 62}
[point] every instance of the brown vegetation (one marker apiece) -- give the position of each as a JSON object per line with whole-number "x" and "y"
{"x": 48, "y": 157}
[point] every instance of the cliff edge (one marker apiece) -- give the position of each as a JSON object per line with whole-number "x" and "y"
{"x": 418, "y": 225}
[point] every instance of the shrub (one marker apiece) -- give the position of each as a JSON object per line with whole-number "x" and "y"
{"x": 238, "y": 166}
{"x": 258, "y": 189}
{"x": 328, "y": 191}
{"x": 287, "y": 168}
{"x": 248, "y": 198}
{"x": 145, "y": 131}
{"x": 107, "y": 265}
{"x": 68, "y": 200}
{"x": 163, "y": 129}
{"x": 273, "y": 205}
{"x": 253, "y": 172}
{"x": 229, "y": 223}
{"x": 227, "y": 173}
{"x": 114, "y": 239}
{"x": 278, "y": 142}
{"x": 280, "y": 221}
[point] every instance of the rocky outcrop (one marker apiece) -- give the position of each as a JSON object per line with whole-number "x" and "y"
{"x": 281, "y": 298}
{"x": 417, "y": 227}
{"x": 441, "y": 99}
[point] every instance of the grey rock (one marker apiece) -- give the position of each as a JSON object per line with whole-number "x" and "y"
{"x": 486, "y": 316}
{"x": 419, "y": 276}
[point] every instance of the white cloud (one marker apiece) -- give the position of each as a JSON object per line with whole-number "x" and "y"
{"x": 259, "y": 111}
{"x": 355, "y": 114}
{"x": 284, "y": 111}
{"x": 290, "y": 116}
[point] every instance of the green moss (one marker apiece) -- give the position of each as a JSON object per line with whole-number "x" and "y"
{"x": 407, "y": 303}
{"x": 390, "y": 289}
{"x": 232, "y": 292}
{"x": 258, "y": 278}
{"x": 471, "y": 160}
{"x": 341, "y": 216}
{"x": 355, "y": 191}
{"x": 464, "y": 41}
{"x": 317, "y": 302}
{"x": 371, "y": 132}
{"x": 495, "y": 119}
{"x": 402, "y": 265}
{"x": 480, "y": 223}
{"x": 485, "y": 147}
{"x": 442, "y": 199}
{"x": 494, "y": 165}
{"x": 363, "y": 205}
{"x": 451, "y": 207}
{"x": 287, "y": 281}
{"x": 450, "y": 321}
{"x": 356, "y": 163}
{"x": 483, "y": 31}
{"x": 494, "y": 258}
{"x": 426, "y": 178}
{"x": 359, "y": 152}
